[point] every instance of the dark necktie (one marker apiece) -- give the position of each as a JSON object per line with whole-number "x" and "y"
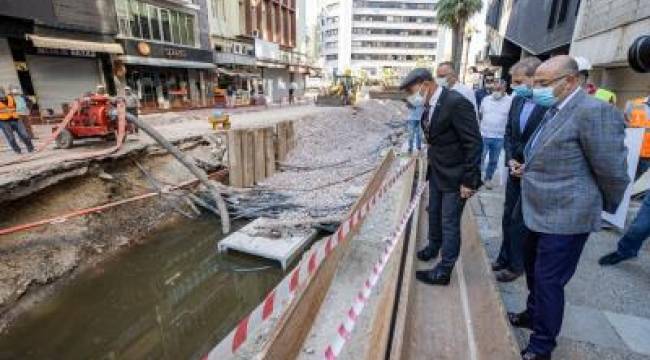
{"x": 550, "y": 114}
{"x": 425, "y": 121}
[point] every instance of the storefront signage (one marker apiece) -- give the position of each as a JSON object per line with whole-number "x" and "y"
{"x": 175, "y": 53}
{"x": 65, "y": 52}
{"x": 266, "y": 50}
{"x": 144, "y": 49}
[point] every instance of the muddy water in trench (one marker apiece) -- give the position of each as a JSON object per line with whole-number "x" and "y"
{"x": 171, "y": 298}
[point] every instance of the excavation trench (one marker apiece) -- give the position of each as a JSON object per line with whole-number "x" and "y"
{"x": 142, "y": 280}
{"x": 171, "y": 297}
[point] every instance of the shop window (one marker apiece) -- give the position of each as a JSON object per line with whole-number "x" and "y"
{"x": 155, "y": 23}
{"x": 134, "y": 20}
{"x": 176, "y": 36}
{"x": 166, "y": 25}
{"x": 190, "y": 30}
{"x": 144, "y": 21}
{"x": 122, "y": 11}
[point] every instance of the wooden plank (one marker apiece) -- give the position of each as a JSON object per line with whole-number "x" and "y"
{"x": 281, "y": 141}
{"x": 235, "y": 165}
{"x": 291, "y": 137}
{"x": 259, "y": 156}
{"x": 269, "y": 151}
{"x": 288, "y": 336}
{"x": 418, "y": 231}
{"x": 249, "y": 158}
{"x": 378, "y": 337}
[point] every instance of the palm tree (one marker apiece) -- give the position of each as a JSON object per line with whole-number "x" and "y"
{"x": 455, "y": 14}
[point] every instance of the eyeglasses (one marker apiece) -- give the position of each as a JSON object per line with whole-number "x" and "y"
{"x": 545, "y": 83}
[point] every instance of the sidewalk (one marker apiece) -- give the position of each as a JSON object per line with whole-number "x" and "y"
{"x": 607, "y": 314}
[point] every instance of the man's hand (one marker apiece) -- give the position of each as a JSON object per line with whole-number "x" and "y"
{"x": 465, "y": 192}
{"x": 517, "y": 171}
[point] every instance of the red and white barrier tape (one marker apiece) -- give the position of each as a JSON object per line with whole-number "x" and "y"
{"x": 285, "y": 291}
{"x": 345, "y": 329}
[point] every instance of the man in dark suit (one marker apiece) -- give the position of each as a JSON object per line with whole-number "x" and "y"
{"x": 523, "y": 120}
{"x": 455, "y": 145}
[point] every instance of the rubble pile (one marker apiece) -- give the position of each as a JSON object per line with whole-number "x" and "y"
{"x": 337, "y": 151}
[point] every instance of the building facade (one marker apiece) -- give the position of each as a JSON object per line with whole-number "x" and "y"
{"x": 373, "y": 36}
{"x": 57, "y": 50}
{"x": 604, "y": 32}
{"x": 167, "y": 56}
{"x": 516, "y": 29}
{"x": 258, "y": 46}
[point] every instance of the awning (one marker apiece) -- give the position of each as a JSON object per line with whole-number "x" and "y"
{"x": 268, "y": 64}
{"x": 243, "y": 74}
{"x": 140, "y": 60}
{"x": 69, "y": 44}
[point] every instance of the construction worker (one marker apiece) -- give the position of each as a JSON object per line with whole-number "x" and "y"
{"x": 23, "y": 110}
{"x": 10, "y": 123}
{"x": 584, "y": 67}
{"x": 637, "y": 114}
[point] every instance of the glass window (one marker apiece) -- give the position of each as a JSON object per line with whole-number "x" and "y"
{"x": 155, "y": 23}
{"x": 122, "y": 10}
{"x": 165, "y": 24}
{"x": 134, "y": 19}
{"x": 190, "y": 30}
{"x": 182, "y": 26}
{"x": 175, "y": 29}
{"x": 144, "y": 21}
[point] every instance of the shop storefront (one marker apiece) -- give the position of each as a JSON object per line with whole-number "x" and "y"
{"x": 166, "y": 76}
{"x": 58, "y": 70}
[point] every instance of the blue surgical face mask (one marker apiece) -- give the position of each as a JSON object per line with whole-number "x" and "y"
{"x": 523, "y": 91}
{"x": 544, "y": 96}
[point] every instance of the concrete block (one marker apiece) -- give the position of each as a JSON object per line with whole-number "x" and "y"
{"x": 634, "y": 330}
{"x": 589, "y": 325}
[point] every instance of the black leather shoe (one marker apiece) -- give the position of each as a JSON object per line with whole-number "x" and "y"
{"x": 497, "y": 266}
{"x": 613, "y": 259}
{"x": 521, "y": 320}
{"x": 427, "y": 253}
{"x": 532, "y": 356}
{"x": 507, "y": 276}
{"x": 434, "y": 277}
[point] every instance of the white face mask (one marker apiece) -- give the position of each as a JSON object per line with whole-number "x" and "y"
{"x": 497, "y": 95}
{"x": 442, "y": 81}
{"x": 416, "y": 99}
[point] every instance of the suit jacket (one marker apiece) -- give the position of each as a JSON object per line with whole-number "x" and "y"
{"x": 575, "y": 169}
{"x": 455, "y": 143}
{"x": 516, "y": 138}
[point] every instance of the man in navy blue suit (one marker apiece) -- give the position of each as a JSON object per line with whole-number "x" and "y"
{"x": 524, "y": 118}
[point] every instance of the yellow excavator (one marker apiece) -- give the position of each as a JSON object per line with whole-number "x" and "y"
{"x": 342, "y": 92}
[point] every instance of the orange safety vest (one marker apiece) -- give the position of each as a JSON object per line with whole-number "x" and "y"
{"x": 8, "y": 109}
{"x": 639, "y": 118}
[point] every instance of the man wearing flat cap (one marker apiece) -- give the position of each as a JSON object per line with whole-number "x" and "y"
{"x": 451, "y": 129}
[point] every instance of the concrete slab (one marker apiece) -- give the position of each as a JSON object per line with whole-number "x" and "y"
{"x": 634, "y": 330}
{"x": 256, "y": 239}
{"x": 591, "y": 326}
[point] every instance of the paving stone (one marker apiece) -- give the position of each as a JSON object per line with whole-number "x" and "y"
{"x": 589, "y": 325}
{"x": 634, "y": 330}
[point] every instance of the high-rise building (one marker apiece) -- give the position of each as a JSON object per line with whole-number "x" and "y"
{"x": 376, "y": 35}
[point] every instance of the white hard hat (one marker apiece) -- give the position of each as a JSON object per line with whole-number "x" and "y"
{"x": 583, "y": 63}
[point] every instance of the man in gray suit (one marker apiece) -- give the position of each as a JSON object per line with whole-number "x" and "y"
{"x": 575, "y": 167}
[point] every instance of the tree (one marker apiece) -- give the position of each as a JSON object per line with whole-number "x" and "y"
{"x": 455, "y": 14}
